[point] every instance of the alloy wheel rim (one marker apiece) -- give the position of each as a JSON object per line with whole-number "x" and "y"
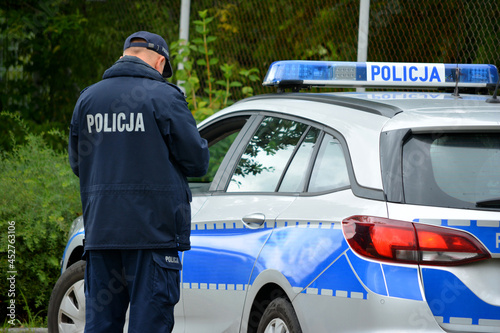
{"x": 71, "y": 315}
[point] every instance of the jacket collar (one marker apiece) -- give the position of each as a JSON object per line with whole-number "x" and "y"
{"x": 132, "y": 66}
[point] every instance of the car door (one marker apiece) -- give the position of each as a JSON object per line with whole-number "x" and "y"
{"x": 307, "y": 246}
{"x": 235, "y": 220}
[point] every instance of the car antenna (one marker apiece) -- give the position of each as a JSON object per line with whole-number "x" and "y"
{"x": 457, "y": 80}
{"x": 457, "y": 71}
{"x": 494, "y": 99}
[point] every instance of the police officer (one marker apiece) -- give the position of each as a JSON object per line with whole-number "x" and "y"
{"x": 133, "y": 142}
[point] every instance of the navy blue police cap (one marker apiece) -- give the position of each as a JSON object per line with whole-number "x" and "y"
{"x": 153, "y": 42}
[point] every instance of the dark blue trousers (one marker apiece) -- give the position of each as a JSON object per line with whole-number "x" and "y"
{"x": 148, "y": 280}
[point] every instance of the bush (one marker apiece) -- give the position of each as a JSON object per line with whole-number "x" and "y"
{"x": 208, "y": 87}
{"x": 39, "y": 193}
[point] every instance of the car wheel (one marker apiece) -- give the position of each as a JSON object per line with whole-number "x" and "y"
{"x": 279, "y": 317}
{"x": 67, "y": 303}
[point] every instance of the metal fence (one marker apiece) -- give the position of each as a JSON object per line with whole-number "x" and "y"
{"x": 464, "y": 31}
{"x": 254, "y": 33}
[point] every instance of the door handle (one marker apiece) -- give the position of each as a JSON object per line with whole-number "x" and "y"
{"x": 254, "y": 221}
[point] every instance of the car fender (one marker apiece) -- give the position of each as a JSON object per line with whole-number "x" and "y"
{"x": 74, "y": 242}
{"x": 265, "y": 278}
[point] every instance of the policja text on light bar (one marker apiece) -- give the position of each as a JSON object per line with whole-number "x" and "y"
{"x": 380, "y": 74}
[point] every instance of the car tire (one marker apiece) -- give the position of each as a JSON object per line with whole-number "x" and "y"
{"x": 279, "y": 316}
{"x": 66, "y": 311}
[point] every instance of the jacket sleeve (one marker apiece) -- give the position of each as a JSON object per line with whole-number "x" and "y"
{"x": 73, "y": 142}
{"x": 188, "y": 149}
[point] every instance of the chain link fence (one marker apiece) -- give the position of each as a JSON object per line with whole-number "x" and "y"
{"x": 254, "y": 33}
{"x": 435, "y": 31}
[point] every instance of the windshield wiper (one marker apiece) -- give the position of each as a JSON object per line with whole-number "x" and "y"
{"x": 495, "y": 202}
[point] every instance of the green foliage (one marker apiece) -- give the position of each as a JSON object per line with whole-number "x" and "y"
{"x": 204, "y": 92}
{"x": 39, "y": 192}
{"x": 42, "y": 42}
{"x": 53, "y": 49}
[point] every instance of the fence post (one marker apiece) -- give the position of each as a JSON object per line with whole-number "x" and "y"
{"x": 364, "y": 22}
{"x": 184, "y": 30}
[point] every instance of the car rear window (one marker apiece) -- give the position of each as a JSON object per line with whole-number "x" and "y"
{"x": 459, "y": 170}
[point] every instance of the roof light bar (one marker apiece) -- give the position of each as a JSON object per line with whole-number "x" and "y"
{"x": 378, "y": 74}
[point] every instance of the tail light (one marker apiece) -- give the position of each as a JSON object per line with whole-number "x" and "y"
{"x": 411, "y": 243}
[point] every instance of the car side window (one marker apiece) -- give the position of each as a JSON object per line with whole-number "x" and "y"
{"x": 220, "y": 137}
{"x": 330, "y": 169}
{"x": 217, "y": 152}
{"x": 266, "y": 156}
{"x": 296, "y": 174}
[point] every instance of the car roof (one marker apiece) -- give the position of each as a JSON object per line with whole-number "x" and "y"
{"x": 437, "y": 111}
{"x": 420, "y": 100}
{"x": 370, "y": 114}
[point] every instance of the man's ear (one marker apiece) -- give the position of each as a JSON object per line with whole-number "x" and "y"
{"x": 160, "y": 64}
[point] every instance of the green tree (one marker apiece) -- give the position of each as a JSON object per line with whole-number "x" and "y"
{"x": 42, "y": 42}
{"x": 52, "y": 49}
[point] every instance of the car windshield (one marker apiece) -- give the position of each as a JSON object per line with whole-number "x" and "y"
{"x": 459, "y": 170}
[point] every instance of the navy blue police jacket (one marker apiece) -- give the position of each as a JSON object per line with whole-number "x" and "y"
{"x": 133, "y": 142}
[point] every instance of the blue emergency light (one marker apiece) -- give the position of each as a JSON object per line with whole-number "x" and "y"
{"x": 309, "y": 73}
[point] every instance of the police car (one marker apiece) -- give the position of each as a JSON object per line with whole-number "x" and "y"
{"x": 340, "y": 212}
